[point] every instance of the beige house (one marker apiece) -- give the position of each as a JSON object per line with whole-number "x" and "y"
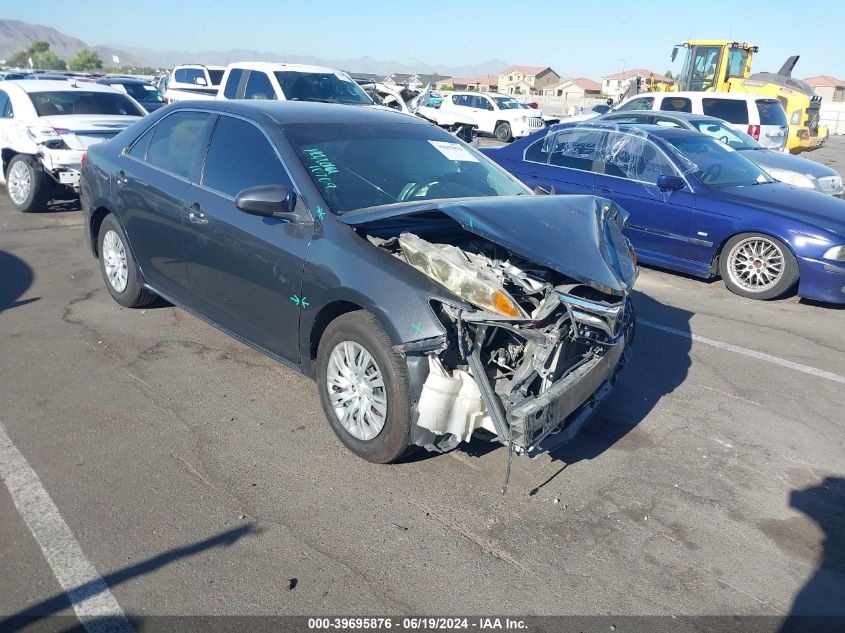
{"x": 571, "y": 89}
{"x": 481, "y": 83}
{"x": 829, "y": 88}
{"x": 526, "y": 80}
{"x": 615, "y": 85}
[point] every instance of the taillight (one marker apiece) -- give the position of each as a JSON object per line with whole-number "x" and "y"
{"x": 84, "y": 159}
{"x": 754, "y": 132}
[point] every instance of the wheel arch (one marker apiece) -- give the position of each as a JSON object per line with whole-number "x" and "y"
{"x": 325, "y": 316}
{"x": 97, "y": 216}
{"x": 717, "y": 257}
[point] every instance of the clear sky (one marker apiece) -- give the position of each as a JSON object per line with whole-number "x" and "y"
{"x": 584, "y": 37}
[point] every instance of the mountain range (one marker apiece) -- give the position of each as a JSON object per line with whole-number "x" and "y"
{"x": 16, "y": 35}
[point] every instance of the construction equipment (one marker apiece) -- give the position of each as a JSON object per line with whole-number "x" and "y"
{"x": 725, "y": 66}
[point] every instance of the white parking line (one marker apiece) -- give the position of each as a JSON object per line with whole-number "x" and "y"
{"x": 86, "y": 590}
{"x": 820, "y": 373}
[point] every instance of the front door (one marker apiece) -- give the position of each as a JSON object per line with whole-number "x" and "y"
{"x": 660, "y": 221}
{"x": 570, "y": 157}
{"x": 245, "y": 271}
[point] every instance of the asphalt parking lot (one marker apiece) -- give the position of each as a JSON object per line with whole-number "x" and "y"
{"x": 199, "y": 477}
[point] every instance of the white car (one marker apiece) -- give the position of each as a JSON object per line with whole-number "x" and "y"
{"x": 762, "y": 118}
{"x": 190, "y": 82}
{"x": 45, "y": 129}
{"x": 494, "y": 113}
{"x": 294, "y": 82}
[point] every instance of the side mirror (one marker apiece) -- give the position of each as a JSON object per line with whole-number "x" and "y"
{"x": 670, "y": 183}
{"x": 674, "y": 53}
{"x": 542, "y": 191}
{"x": 271, "y": 201}
{"x": 200, "y": 81}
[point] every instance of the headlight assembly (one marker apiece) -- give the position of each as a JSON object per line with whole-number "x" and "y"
{"x": 792, "y": 177}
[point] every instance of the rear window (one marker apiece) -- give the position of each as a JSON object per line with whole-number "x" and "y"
{"x": 321, "y": 86}
{"x": 216, "y": 76}
{"x": 82, "y": 102}
{"x": 730, "y": 110}
{"x": 676, "y": 104}
{"x": 144, "y": 92}
{"x": 771, "y": 112}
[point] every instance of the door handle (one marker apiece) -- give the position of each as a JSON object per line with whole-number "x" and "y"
{"x": 605, "y": 189}
{"x": 195, "y": 214}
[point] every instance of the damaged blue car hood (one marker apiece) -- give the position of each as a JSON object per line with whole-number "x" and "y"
{"x": 577, "y": 236}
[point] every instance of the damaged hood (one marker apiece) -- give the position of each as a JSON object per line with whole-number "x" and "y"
{"x": 577, "y": 236}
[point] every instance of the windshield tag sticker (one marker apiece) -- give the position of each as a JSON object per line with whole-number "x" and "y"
{"x": 454, "y": 151}
{"x": 322, "y": 168}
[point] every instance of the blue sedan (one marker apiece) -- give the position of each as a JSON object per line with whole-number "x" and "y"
{"x": 696, "y": 205}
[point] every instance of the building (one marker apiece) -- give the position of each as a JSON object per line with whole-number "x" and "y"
{"x": 526, "y": 80}
{"x": 616, "y": 85}
{"x": 480, "y": 83}
{"x": 829, "y": 88}
{"x": 572, "y": 89}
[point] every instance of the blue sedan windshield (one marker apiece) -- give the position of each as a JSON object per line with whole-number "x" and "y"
{"x": 714, "y": 163}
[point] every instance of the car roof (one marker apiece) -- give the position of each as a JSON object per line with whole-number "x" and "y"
{"x": 206, "y": 66}
{"x": 273, "y": 66}
{"x": 738, "y": 96}
{"x": 51, "y": 85}
{"x": 659, "y": 131}
{"x": 288, "y": 112}
{"x": 121, "y": 80}
{"x": 683, "y": 116}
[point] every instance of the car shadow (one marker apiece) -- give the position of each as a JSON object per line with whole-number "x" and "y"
{"x": 15, "y": 279}
{"x": 820, "y": 604}
{"x": 62, "y": 601}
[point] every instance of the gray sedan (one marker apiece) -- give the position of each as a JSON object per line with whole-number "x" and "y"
{"x": 793, "y": 170}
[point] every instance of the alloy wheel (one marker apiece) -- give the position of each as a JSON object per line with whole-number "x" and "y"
{"x": 19, "y": 182}
{"x": 756, "y": 264}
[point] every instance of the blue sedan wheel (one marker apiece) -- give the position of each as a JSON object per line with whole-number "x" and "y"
{"x": 758, "y": 266}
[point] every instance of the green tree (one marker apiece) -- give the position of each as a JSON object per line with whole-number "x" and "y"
{"x": 39, "y": 46}
{"x": 85, "y": 60}
{"x": 669, "y": 74}
{"x": 19, "y": 60}
{"x": 40, "y": 54}
{"x": 48, "y": 61}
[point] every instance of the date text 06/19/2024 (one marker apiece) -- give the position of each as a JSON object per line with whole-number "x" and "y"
{"x": 417, "y": 624}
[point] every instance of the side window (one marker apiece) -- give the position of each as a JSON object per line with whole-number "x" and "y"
{"x": 232, "y": 83}
{"x": 5, "y": 106}
{"x": 239, "y": 157}
{"x": 258, "y": 86}
{"x": 634, "y": 157}
{"x": 635, "y": 119}
{"x": 676, "y": 104}
{"x": 665, "y": 122}
{"x": 730, "y": 110}
{"x": 139, "y": 147}
{"x": 538, "y": 151}
{"x": 641, "y": 103}
{"x": 459, "y": 100}
{"x": 177, "y": 142}
{"x": 575, "y": 149}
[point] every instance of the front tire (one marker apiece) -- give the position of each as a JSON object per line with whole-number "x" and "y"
{"x": 120, "y": 272}
{"x": 503, "y": 132}
{"x": 28, "y": 186}
{"x": 758, "y": 266}
{"x": 364, "y": 388}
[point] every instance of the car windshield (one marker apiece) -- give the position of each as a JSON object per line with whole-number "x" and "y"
{"x": 714, "y": 163}
{"x": 321, "y": 86}
{"x": 83, "y": 102}
{"x": 728, "y": 136}
{"x": 359, "y": 166}
{"x": 144, "y": 92}
{"x": 506, "y": 103}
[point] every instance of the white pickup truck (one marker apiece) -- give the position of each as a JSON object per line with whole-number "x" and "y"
{"x": 193, "y": 81}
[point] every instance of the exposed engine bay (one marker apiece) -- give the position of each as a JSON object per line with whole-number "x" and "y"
{"x": 533, "y": 359}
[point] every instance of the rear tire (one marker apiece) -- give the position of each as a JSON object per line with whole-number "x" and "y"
{"x": 351, "y": 405}
{"x": 120, "y": 272}
{"x": 28, "y": 186}
{"x": 503, "y": 132}
{"x": 757, "y": 266}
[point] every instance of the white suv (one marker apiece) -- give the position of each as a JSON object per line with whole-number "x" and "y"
{"x": 293, "y": 82}
{"x": 45, "y": 129}
{"x": 762, "y": 118}
{"x": 495, "y": 113}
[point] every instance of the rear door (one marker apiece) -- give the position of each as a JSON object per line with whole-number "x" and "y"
{"x": 563, "y": 161}
{"x": 484, "y": 112}
{"x": 660, "y": 222}
{"x": 154, "y": 173}
{"x": 7, "y": 114}
{"x": 774, "y": 127}
{"x": 245, "y": 271}
{"x": 734, "y": 111}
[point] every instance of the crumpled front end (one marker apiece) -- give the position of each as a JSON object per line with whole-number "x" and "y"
{"x": 535, "y": 355}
